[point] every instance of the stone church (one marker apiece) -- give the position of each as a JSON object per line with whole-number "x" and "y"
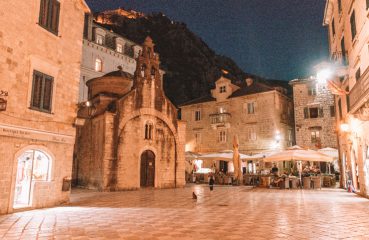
{"x": 130, "y": 137}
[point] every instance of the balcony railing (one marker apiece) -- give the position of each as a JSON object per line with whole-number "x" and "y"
{"x": 220, "y": 118}
{"x": 360, "y": 90}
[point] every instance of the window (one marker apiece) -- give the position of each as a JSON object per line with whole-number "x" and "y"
{"x": 333, "y": 28}
{"x": 222, "y": 89}
{"x": 143, "y": 70}
{"x": 311, "y": 91}
{"x": 340, "y": 6}
{"x": 42, "y": 89}
{"x": 148, "y": 131}
{"x": 348, "y": 100}
{"x": 315, "y": 136}
{"x": 251, "y": 134}
{"x": 353, "y": 25}
{"x": 198, "y": 138}
{"x": 153, "y": 72}
{"x": 98, "y": 65}
{"x": 251, "y": 108}
{"x": 222, "y": 136}
{"x": 49, "y": 15}
{"x": 340, "y": 108}
{"x": 222, "y": 110}
{"x": 99, "y": 39}
{"x": 313, "y": 112}
{"x": 357, "y": 74}
{"x": 197, "y": 115}
{"x": 332, "y": 111}
{"x": 119, "y": 48}
{"x": 367, "y": 4}
{"x": 343, "y": 49}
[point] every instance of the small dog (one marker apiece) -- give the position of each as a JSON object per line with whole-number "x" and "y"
{"x": 194, "y": 196}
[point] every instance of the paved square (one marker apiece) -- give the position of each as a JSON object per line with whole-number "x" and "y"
{"x": 226, "y": 213}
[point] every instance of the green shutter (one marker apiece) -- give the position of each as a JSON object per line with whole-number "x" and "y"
{"x": 55, "y": 16}
{"x": 321, "y": 112}
{"x": 36, "y": 90}
{"x": 306, "y": 112}
{"x": 353, "y": 25}
{"x": 47, "y": 93}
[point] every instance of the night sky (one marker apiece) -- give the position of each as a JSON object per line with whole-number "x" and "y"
{"x": 278, "y": 39}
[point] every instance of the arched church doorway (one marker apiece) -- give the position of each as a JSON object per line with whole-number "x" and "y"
{"x": 147, "y": 169}
{"x": 33, "y": 165}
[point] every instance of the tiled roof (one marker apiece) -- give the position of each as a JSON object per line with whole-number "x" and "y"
{"x": 255, "y": 87}
{"x": 207, "y": 98}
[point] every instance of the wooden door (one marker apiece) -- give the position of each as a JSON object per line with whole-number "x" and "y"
{"x": 147, "y": 169}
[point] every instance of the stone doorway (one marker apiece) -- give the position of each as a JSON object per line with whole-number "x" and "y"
{"x": 147, "y": 169}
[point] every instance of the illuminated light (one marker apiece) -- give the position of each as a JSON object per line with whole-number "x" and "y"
{"x": 88, "y": 104}
{"x": 345, "y": 127}
{"x": 323, "y": 75}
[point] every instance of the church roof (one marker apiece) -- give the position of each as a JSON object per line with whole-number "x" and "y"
{"x": 119, "y": 73}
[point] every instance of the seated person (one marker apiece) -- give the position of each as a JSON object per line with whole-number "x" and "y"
{"x": 274, "y": 169}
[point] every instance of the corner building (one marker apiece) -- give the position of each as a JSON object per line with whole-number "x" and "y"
{"x": 131, "y": 137}
{"x": 40, "y": 55}
{"x": 348, "y": 32}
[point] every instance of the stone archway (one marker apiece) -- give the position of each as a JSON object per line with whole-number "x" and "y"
{"x": 147, "y": 172}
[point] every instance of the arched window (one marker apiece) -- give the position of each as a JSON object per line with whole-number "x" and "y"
{"x": 148, "y": 131}
{"x": 153, "y": 72}
{"x": 143, "y": 69}
{"x": 98, "y": 65}
{"x": 33, "y": 165}
{"x": 149, "y": 52}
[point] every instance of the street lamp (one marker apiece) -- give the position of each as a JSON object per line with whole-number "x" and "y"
{"x": 324, "y": 74}
{"x": 345, "y": 127}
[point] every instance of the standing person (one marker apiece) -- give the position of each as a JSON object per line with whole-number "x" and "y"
{"x": 211, "y": 183}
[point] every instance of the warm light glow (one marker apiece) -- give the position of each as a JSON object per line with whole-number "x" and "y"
{"x": 345, "y": 127}
{"x": 88, "y": 104}
{"x": 323, "y": 75}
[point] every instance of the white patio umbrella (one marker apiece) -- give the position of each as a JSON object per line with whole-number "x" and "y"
{"x": 297, "y": 153}
{"x": 191, "y": 155}
{"x": 225, "y": 156}
{"x": 332, "y": 152}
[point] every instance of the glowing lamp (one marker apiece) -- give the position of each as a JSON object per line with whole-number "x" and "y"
{"x": 323, "y": 75}
{"x": 345, "y": 127}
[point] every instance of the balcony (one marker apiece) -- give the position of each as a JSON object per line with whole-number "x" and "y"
{"x": 220, "y": 120}
{"x": 359, "y": 92}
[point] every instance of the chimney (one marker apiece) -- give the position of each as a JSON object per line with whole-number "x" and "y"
{"x": 249, "y": 81}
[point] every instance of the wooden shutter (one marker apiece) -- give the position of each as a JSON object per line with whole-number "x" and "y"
{"x": 36, "y": 90}
{"x": 43, "y": 13}
{"x": 47, "y": 96}
{"x": 55, "y": 16}
{"x": 321, "y": 112}
{"x": 306, "y": 112}
{"x": 353, "y": 25}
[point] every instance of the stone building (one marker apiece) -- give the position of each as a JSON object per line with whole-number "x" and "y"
{"x": 260, "y": 114}
{"x": 348, "y": 30}
{"x": 40, "y": 54}
{"x": 103, "y": 52}
{"x": 131, "y": 137}
{"x": 315, "y": 112}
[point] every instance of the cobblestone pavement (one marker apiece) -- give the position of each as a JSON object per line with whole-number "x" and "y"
{"x": 226, "y": 213}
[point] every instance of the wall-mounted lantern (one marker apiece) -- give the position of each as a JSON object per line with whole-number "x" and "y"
{"x": 3, "y": 101}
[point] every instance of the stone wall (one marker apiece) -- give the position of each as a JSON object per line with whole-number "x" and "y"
{"x": 265, "y": 122}
{"x": 24, "y": 47}
{"x": 323, "y": 99}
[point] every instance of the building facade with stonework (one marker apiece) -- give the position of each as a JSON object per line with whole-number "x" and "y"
{"x": 40, "y": 54}
{"x": 131, "y": 137}
{"x": 348, "y": 30}
{"x": 261, "y": 115}
{"x": 103, "y": 52}
{"x": 315, "y": 114}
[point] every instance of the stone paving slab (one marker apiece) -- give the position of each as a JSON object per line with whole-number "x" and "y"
{"x": 226, "y": 213}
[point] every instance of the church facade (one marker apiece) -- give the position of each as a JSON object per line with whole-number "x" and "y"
{"x": 131, "y": 137}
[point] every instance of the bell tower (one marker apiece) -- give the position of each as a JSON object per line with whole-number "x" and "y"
{"x": 147, "y": 69}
